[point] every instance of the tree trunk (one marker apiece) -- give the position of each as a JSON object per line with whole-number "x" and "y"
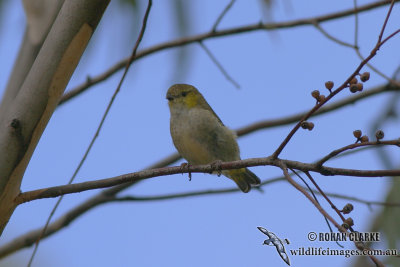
{"x": 25, "y": 115}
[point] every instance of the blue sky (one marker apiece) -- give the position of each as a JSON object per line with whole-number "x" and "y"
{"x": 276, "y": 71}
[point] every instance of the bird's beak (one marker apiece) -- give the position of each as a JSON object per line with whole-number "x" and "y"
{"x": 169, "y": 97}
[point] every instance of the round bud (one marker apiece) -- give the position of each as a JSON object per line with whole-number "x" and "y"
{"x": 315, "y": 94}
{"x": 349, "y": 221}
{"x": 364, "y": 77}
{"x": 329, "y": 85}
{"x": 321, "y": 98}
{"x": 359, "y": 87}
{"x": 310, "y": 126}
{"x": 307, "y": 125}
{"x": 304, "y": 125}
{"x": 354, "y": 88}
{"x": 379, "y": 134}
{"x": 357, "y": 133}
{"x": 347, "y": 208}
{"x": 354, "y": 80}
{"x": 364, "y": 139}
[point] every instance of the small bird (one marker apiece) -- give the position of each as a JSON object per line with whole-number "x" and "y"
{"x": 200, "y": 136}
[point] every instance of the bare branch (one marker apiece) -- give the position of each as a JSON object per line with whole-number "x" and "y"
{"x": 175, "y": 196}
{"x": 358, "y": 52}
{"x": 339, "y": 89}
{"x": 356, "y": 145}
{"x": 363, "y": 201}
{"x": 321, "y": 192}
{"x": 390, "y": 36}
{"x": 105, "y": 196}
{"x": 237, "y": 190}
{"x": 284, "y": 168}
{"x": 318, "y": 206}
{"x": 330, "y": 37}
{"x": 221, "y": 16}
{"x": 331, "y": 107}
{"x": 215, "y": 34}
{"x": 219, "y": 65}
{"x": 386, "y": 21}
{"x": 209, "y": 168}
{"x": 30, "y": 238}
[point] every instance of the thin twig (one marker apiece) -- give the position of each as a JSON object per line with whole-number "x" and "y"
{"x": 219, "y": 65}
{"x": 333, "y": 206}
{"x": 134, "y": 198}
{"x": 316, "y": 199}
{"x": 318, "y": 206}
{"x": 332, "y": 38}
{"x": 386, "y": 21}
{"x": 357, "y": 48}
{"x": 363, "y": 201}
{"x": 333, "y": 106}
{"x": 374, "y": 69}
{"x": 304, "y": 192}
{"x": 192, "y": 194}
{"x": 355, "y": 24}
{"x": 64, "y": 220}
{"x": 98, "y": 128}
{"x": 221, "y": 16}
{"x": 390, "y": 36}
{"x": 356, "y": 145}
{"x": 338, "y": 90}
{"x": 208, "y": 35}
{"x": 387, "y": 112}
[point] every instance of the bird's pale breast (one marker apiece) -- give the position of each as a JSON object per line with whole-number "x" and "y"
{"x": 201, "y": 138}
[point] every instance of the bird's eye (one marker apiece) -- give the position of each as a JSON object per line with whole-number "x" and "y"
{"x": 184, "y": 94}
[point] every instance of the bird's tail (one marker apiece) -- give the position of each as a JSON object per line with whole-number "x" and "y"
{"x": 244, "y": 178}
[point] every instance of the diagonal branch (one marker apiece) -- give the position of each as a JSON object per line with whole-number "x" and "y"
{"x": 357, "y": 48}
{"x": 284, "y": 168}
{"x": 325, "y": 109}
{"x": 353, "y": 146}
{"x": 223, "y": 13}
{"x": 219, "y": 65}
{"x": 344, "y": 85}
{"x": 332, "y": 38}
{"x": 215, "y": 34}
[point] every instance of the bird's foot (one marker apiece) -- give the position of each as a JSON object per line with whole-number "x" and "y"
{"x": 186, "y": 167}
{"x": 217, "y": 166}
